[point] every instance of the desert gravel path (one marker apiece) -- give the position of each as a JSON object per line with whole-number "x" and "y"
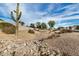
{"x": 68, "y": 43}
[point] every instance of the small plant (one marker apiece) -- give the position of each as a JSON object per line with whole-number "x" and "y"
{"x": 31, "y": 31}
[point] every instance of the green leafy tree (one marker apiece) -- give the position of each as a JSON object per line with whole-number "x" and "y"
{"x": 16, "y": 18}
{"x": 22, "y": 23}
{"x": 43, "y": 26}
{"x": 51, "y": 24}
{"x": 32, "y": 25}
{"x": 38, "y": 25}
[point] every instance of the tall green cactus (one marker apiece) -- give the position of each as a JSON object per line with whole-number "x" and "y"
{"x": 16, "y": 18}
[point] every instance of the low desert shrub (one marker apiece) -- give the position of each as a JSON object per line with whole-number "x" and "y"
{"x": 31, "y": 31}
{"x": 9, "y": 29}
{"x": 65, "y": 31}
{"x": 69, "y": 31}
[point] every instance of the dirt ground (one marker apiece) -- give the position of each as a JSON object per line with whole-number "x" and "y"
{"x": 67, "y": 43}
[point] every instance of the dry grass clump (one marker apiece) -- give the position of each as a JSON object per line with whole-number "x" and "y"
{"x": 31, "y": 31}
{"x": 9, "y": 30}
{"x": 65, "y": 31}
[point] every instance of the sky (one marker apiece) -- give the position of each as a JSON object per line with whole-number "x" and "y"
{"x": 64, "y": 14}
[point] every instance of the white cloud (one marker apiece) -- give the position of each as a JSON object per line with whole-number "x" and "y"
{"x": 64, "y": 24}
{"x": 30, "y": 15}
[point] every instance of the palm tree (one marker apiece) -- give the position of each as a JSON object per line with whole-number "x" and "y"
{"x": 17, "y": 18}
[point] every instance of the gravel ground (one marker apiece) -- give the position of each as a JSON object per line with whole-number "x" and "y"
{"x": 68, "y": 43}
{"x": 26, "y": 45}
{"x": 39, "y": 44}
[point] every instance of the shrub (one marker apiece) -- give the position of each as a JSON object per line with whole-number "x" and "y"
{"x": 9, "y": 29}
{"x": 65, "y": 31}
{"x": 31, "y": 31}
{"x": 77, "y": 27}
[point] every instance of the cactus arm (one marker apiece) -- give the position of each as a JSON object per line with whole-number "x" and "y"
{"x": 14, "y": 11}
{"x": 19, "y": 16}
{"x": 13, "y": 18}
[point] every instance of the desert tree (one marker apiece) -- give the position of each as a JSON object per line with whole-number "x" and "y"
{"x": 51, "y": 24}
{"x": 38, "y": 25}
{"x": 16, "y": 15}
{"x": 32, "y": 25}
{"x": 43, "y": 26}
{"x": 22, "y": 23}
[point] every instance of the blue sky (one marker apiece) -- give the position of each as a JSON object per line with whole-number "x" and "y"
{"x": 64, "y": 14}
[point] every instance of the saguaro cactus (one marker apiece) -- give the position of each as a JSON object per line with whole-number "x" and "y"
{"x": 16, "y": 18}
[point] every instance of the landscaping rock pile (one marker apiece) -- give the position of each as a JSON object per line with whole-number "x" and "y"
{"x": 27, "y": 48}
